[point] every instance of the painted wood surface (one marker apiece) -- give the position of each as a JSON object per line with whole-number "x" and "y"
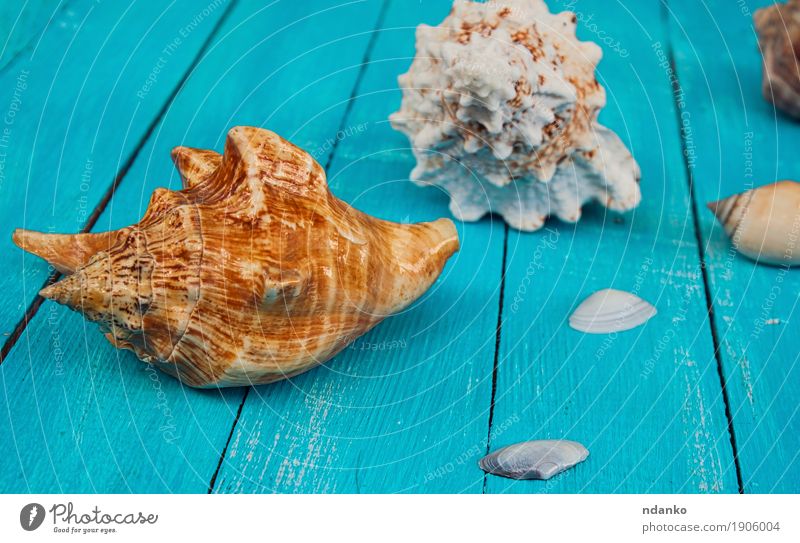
{"x": 78, "y": 415}
{"x": 411, "y": 406}
{"x": 73, "y": 113}
{"x": 647, "y": 402}
{"x": 395, "y": 411}
{"x": 23, "y": 23}
{"x": 739, "y": 142}
{"x": 148, "y": 433}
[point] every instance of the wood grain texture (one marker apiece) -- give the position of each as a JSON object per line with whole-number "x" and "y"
{"x": 22, "y": 24}
{"x": 403, "y": 408}
{"x": 741, "y": 142}
{"x": 647, "y": 402}
{"x": 407, "y": 408}
{"x": 104, "y": 420}
{"x": 77, "y": 413}
{"x": 72, "y": 116}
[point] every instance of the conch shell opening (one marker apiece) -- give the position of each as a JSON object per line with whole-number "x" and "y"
{"x": 253, "y": 273}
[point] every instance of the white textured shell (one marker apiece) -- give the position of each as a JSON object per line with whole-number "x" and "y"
{"x": 501, "y": 105}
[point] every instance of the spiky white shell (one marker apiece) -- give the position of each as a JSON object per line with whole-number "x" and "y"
{"x": 501, "y": 105}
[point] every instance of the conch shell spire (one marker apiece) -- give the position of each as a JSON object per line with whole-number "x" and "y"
{"x": 65, "y": 252}
{"x": 195, "y": 165}
{"x": 252, "y": 273}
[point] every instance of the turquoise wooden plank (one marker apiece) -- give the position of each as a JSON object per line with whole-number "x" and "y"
{"x": 740, "y": 142}
{"x": 404, "y": 406}
{"x": 647, "y": 403}
{"x": 255, "y": 69}
{"x": 74, "y": 113}
{"x": 78, "y": 120}
{"x": 21, "y": 25}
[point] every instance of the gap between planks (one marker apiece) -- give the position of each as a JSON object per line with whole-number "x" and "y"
{"x": 496, "y": 364}
{"x": 33, "y": 41}
{"x": 676, "y": 89}
{"x": 34, "y": 306}
{"x": 342, "y": 124}
{"x": 704, "y": 272}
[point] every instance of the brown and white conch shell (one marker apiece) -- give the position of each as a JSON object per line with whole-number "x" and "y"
{"x": 253, "y": 273}
{"x": 500, "y": 105}
{"x": 764, "y": 223}
{"x": 778, "y": 29}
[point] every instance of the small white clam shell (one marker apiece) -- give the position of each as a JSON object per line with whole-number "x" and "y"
{"x": 610, "y": 310}
{"x": 534, "y": 459}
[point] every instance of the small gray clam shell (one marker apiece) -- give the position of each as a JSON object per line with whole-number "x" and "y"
{"x": 540, "y": 459}
{"x": 610, "y": 310}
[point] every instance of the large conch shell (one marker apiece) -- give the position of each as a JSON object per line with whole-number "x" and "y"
{"x": 254, "y": 272}
{"x": 501, "y": 105}
{"x": 764, "y": 223}
{"x": 778, "y": 29}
